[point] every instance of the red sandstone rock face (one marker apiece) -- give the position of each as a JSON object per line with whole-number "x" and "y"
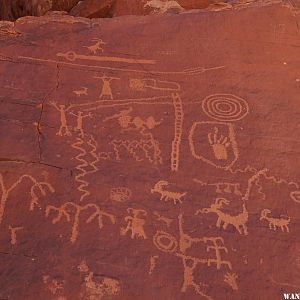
{"x": 11, "y": 10}
{"x": 151, "y": 157}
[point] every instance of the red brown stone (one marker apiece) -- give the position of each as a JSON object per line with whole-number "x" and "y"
{"x": 151, "y": 157}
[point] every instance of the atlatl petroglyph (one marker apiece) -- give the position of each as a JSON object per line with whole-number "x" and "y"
{"x": 165, "y": 194}
{"x": 274, "y": 223}
{"x": 168, "y": 243}
{"x": 41, "y": 186}
{"x": 63, "y": 212}
{"x": 135, "y": 223}
{"x": 13, "y": 234}
{"x": 239, "y": 221}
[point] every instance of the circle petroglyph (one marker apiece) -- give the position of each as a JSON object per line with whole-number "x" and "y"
{"x": 225, "y": 107}
{"x": 165, "y": 241}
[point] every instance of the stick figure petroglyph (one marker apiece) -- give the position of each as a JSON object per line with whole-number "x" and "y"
{"x": 106, "y": 91}
{"x": 63, "y": 129}
{"x": 80, "y": 116}
{"x": 135, "y": 223}
{"x": 168, "y": 243}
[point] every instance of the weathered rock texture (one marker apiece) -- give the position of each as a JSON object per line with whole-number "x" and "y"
{"x": 12, "y": 10}
{"x": 150, "y": 157}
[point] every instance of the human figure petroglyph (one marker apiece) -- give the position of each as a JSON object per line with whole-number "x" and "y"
{"x": 230, "y": 279}
{"x": 219, "y": 144}
{"x": 274, "y": 223}
{"x": 83, "y": 91}
{"x": 13, "y": 234}
{"x": 96, "y": 47}
{"x": 63, "y": 129}
{"x": 80, "y": 116}
{"x": 165, "y": 194}
{"x": 106, "y": 91}
{"x": 62, "y": 212}
{"x": 166, "y": 242}
{"x": 41, "y": 186}
{"x": 135, "y": 223}
{"x": 239, "y": 221}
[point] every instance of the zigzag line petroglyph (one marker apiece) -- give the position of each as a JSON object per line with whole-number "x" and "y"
{"x": 34, "y": 197}
{"x": 179, "y": 116}
{"x": 191, "y": 72}
{"x": 83, "y": 163}
{"x": 83, "y": 184}
{"x": 63, "y": 212}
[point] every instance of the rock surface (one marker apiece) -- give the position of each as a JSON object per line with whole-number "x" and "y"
{"x": 151, "y": 157}
{"x": 12, "y": 10}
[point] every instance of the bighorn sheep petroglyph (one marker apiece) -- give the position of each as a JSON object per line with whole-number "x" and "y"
{"x": 239, "y": 221}
{"x": 275, "y": 222}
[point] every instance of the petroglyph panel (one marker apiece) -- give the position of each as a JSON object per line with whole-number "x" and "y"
{"x": 150, "y": 158}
